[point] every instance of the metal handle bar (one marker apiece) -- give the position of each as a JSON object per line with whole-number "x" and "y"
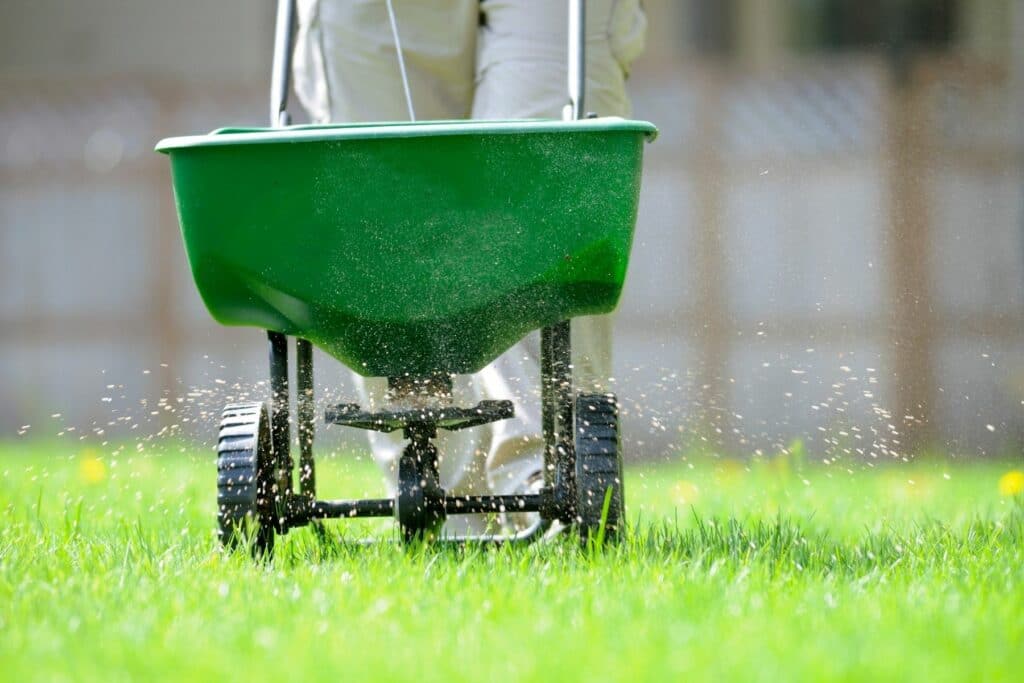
{"x": 281, "y": 75}
{"x": 577, "y": 60}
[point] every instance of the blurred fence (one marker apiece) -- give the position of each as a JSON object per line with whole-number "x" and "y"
{"x": 831, "y": 252}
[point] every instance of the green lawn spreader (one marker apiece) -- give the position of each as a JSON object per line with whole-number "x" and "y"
{"x": 412, "y": 251}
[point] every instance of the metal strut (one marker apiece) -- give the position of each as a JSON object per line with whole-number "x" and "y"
{"x": 280, "y": 431}
{"x": 557, "y": 418}
{"x": 306, "y": 417}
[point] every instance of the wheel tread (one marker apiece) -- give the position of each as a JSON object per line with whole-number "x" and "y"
{"x": 244, "y": 477}
{"x": 598, "y": 464}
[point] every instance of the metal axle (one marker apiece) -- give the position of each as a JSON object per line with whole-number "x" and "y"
{"x": 452, "y": 505}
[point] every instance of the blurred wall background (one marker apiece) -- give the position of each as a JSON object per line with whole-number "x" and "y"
{"x": 830, "y": 248}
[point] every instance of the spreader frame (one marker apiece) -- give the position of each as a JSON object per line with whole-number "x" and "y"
{"x": 431, "y": 505}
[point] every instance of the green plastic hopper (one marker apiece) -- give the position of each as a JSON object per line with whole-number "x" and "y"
{"x": 415, "y": 247}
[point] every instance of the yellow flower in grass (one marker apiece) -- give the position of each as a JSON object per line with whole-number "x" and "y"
{"x": 1011, "y": 483}
{"x": 90, "y": 468}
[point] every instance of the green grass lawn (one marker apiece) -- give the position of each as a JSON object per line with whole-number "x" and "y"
{"x": 109, "y": 570}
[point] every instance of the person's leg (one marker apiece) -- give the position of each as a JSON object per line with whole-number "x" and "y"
{"x": 346, "y": 69}
{"x": 522, "y": 55}
{"x": 346, "y": 65}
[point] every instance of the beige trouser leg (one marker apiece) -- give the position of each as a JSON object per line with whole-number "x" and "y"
{"x": 346, "y": 66}
{"x": 514, "y": 66}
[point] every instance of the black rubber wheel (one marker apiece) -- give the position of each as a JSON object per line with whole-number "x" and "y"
{"x": 245, "y": 478}
{"x": 598, "y": 466}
